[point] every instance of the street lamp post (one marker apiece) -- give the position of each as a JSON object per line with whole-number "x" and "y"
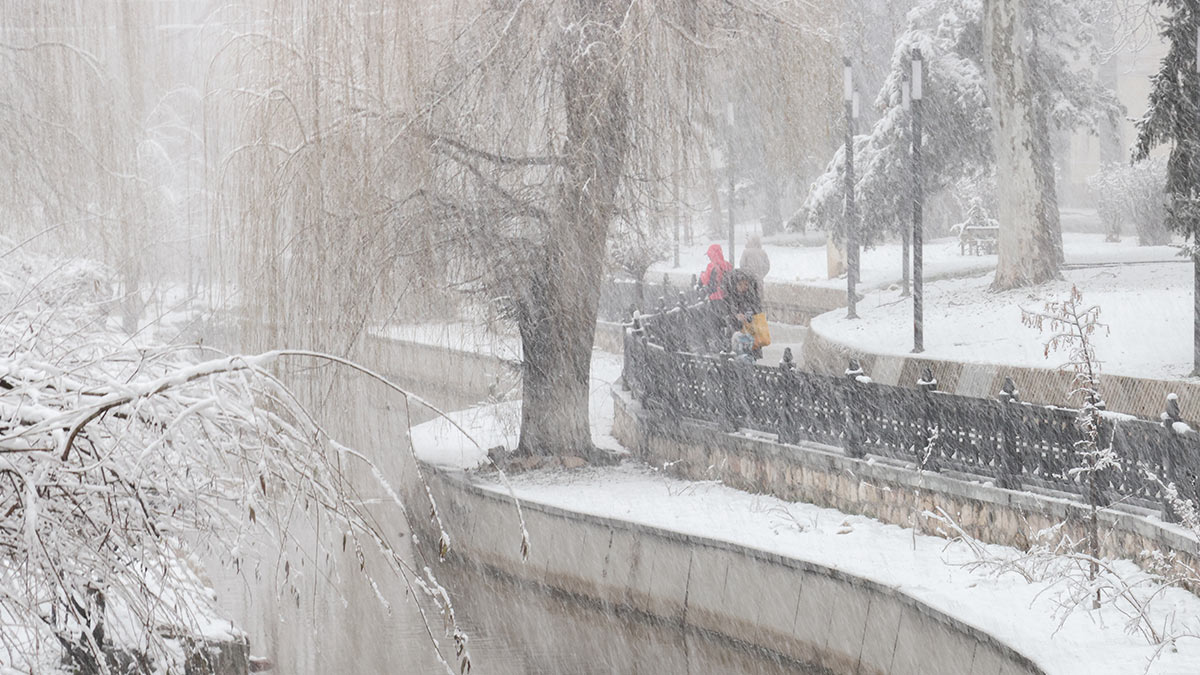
{"x": 918, "y": 198}
{"x": 851, "y": 100}
{"x": 905, "y": 103}
{"x": 1196, "y": 260}
{"x": 732, "y": 183}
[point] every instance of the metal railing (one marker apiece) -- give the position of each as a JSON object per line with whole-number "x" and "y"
{"x": 1016, "y": 445}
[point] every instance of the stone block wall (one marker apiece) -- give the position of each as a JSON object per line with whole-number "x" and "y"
{"x": 824, "y": 476}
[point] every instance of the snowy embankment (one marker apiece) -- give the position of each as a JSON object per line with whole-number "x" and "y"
{"x": 1147, "y": 309}
{"x": 881, "y": 266}
{"x": 933, "y": 570}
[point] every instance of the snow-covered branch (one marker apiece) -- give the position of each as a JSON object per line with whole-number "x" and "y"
{"x": 120, "y": 467}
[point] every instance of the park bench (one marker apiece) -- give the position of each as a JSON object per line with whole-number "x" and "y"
{"x": 978, "y": 239}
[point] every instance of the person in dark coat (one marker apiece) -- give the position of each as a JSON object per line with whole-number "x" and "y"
{"x": 743, "y": 299}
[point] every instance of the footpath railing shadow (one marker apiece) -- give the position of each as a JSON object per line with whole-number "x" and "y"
{"x": 1015, "y": 444}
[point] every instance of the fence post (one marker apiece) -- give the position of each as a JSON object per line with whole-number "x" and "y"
{"x": 1169, "y": 455}
{"x": 1104, "y": 436}
{"x": 667, "y": 335}
{"x": 649, "y": 385}
{"x": 687, "y": 325}
{"x": 851, "y": 404}
{"x": 787, "y": 417}
{"x": 926, "y": 456}
{"x": 1009, "y": 467}
{"x": 727, "y": 416}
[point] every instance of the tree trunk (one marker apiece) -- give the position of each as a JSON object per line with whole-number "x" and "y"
{"x": 557, "y": 340}
{"x": 1049, "y": 218}
{"x": 1044, "y": 151}
{"x": 559, "y": 319}
{"x": 714, "y": 199}
{"x": 1111, "y": 133}
{"x": 772, "y": 214}
{"x": 1026, "y": 253}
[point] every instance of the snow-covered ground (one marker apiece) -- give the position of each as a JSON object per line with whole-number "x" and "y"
{"x": 931, "y": 569}
{"x": 1148, "y": 309}
{"x": 881, "y": 266}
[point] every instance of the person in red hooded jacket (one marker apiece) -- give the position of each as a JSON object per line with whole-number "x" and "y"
{"x": 712, "y": 281}
{"x": 713, "y": 275}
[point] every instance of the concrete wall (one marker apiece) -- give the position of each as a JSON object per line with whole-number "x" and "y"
{"x": 443, "y": 374}
{"x": 824, "y": 476}
{"x": 789, "y": 303}
{"x": 802, "y": 611}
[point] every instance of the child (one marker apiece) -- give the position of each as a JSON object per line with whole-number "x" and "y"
{"x": 743, "y": 346}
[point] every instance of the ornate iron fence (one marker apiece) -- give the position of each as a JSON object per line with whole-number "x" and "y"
{"x": 1015, "y": 444}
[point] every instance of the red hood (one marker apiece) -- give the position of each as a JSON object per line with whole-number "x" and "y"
{"x": 716, "y": 255}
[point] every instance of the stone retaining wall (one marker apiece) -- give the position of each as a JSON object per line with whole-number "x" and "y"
{"x": 824, "y": 476}
{"x": 789, "y": 303}
{"x": 1143, "y": 397}
{"x": 803, "y": 611}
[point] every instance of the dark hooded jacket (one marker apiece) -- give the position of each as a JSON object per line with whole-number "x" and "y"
{"x": 747, "y": 302}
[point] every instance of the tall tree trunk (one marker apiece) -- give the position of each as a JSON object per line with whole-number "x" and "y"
{"x": 1112, "y": 136}
{"x": 1027, "y": 252}
{"x": 1043, "y": 149}
{"x": 1111, "y": 131}
{"x": 714, "y": 198}
{"x": 559, "y": 321}
{"x": 772, "y": 214}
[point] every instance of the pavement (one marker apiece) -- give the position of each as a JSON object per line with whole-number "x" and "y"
{"x": 784, "y": 336}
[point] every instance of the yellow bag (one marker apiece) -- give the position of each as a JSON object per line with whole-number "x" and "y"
{"x": 758, "y": 328}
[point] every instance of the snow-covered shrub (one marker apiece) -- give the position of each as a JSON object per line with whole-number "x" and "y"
{"x": 1133, "y": 194}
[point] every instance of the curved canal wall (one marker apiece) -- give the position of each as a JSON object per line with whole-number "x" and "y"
{"x": 839, "y": 623}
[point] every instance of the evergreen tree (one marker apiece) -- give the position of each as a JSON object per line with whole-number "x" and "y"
{"x": 957, "y": 144}
{"x": 1173, "y": 116}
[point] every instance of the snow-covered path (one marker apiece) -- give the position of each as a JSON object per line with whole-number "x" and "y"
{"x": 881, "y": 266}
{"x": 1146, "y": 309}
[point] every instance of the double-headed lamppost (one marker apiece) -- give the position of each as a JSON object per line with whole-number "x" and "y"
{"x": 918, "y": 197}
{"x": 851, "y": 99}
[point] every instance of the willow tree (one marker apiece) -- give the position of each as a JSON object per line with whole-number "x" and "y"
{"x": 84, "y": 148}
{"x": 485, "y": 147}
{"x": 565, "y": 129}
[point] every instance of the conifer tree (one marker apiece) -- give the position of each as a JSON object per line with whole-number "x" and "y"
{"x": 1173, "y": 116}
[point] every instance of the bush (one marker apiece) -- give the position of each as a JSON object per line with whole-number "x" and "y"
{"x": 1133, "y": 194}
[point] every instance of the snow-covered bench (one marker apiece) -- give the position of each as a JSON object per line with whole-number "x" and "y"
{"x": 978, "y": 239}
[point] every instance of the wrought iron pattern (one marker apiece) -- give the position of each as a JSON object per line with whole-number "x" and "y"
{"x": 1013, "y": 443}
